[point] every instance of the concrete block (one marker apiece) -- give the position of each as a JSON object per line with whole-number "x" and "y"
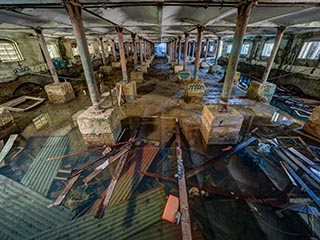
{"x": 312, "y": 125}
{"x": 100, "y": 128}
{"x": 177, "y": 68}
{"x": 136, "y": 76}
{"x": 116, "y": 65}
{"x": 59, "y": 92}
{"x": 129, "y": 89}
{"x": 184, "y": 76}
{"x": 220, "y": 127}
{"x": 261, "y": 91}
{"x": 5, "y": 117}
{"x": 106, "y": 70}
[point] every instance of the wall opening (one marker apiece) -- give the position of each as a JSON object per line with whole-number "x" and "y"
{"x": 160, "y": 50}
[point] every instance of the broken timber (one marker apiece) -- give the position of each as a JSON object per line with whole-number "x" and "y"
{"x": 222, "y": 155}
{"x": 183, "y": 195}
{"x": 7, "y": 147}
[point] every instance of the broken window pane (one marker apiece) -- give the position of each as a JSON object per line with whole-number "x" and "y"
{"x": 310, "y": 50}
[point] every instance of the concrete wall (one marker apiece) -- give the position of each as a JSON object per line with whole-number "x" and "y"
{"x": 303, "y": 74}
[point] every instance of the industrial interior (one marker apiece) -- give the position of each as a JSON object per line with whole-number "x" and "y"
{"x": 159, "y": 119}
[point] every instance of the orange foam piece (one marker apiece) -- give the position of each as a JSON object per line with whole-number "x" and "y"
{"x": 171, "y": 209}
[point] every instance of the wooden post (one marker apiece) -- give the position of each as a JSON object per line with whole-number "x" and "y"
{"x": 186, "y": 41}
{"x": 46, "y": 55}
{"x": 275, "y": 48}
{"x": 244, "y": 11}
{"x": 122, "y": 55}
{"x": 74, "y": 10}
{"x": 217, "y": 51}
{"x": 103, "y": 55}
{"x": 197, "y": 61}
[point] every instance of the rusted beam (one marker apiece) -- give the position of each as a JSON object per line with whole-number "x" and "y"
{"x": 183, "y": 194}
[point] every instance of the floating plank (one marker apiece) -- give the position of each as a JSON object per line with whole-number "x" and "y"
{"x": 183, "y": 194}
{"x": 7, "y": 147}
{"x": 313, "y": 196}
{"x": 222, "y": 155}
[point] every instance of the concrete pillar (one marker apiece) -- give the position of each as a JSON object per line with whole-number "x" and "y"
{"x": 46, "y": 54}
{"x": 186, "y": 41}
{"x": 244, "y": 11}
{"x": 179, "y": 49}
{"x": 114, "y": 50}
{"x": 122, "y": 55}
{"x": 193, "y": 48}
{"x": 216, "y": 55}
{"x": 197, "y": 61}
{"x": 140, "y": 49}
{"x": 134, "y": 49}
{"x": 103, "y": 55}
{"x": 74, "y": 11}
{"x": 275, "y": 48}
{"x": 207, "y": 49}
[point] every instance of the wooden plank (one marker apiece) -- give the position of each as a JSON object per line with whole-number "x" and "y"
{"x": 7, "y": 147}
{"x": 64, "y": 192}
{"x": 11, "y": 104}
{"x": 301, "y": 156}
{"x": 183, "y": 194}
{"x": 222, "y": 155}
{"x": 313, "y": 196}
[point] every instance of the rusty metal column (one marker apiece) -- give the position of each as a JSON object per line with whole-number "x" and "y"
{"x": 140, "y": 49}
{"x": 197, "y": 61}
{"x": 114, "y": 50}
{"x": 193, "y": 48}
{"x": 74, "y": 11}
{"x": 275, "y": 48}
{"x": 46, "y": 54}
{"x": 189, "y": 50}
{"x": 217, "y": 51}
{"x": 145, "y": 50}
{"x": 172, "y": 50}
{"x": 134, "y": 49}
{"x": 244, "y": 12}
{"x": 186, "y": 41}
{"x": 103, "y": 55}
{"x": 179, "y": 49}
{"x": 175, "y": 50}
{"x": 207, "y": 49}
{"x": 122, "y": 54}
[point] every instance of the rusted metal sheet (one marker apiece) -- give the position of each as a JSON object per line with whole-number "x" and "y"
{"x": 183, "y": 194}
{"x": 24, "y": 212}
{"x": 119, "y": 223}
{"x": 41, "y": 172}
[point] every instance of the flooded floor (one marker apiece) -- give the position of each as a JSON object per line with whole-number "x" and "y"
{"x": 226, "y": 207}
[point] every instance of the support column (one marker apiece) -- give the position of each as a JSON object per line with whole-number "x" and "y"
{"x": 134, "y": 49}
{"x": 189, "y": 50}
{"x": 244, "y": 12}
{"x": 114, "y": 51}
{"x": 186, "y": 41}
{"x": 193, "y": 48}
{"x": 275, "y": 48}
{"x": 74, "y": 11}
{"x": 199, "y": 47}
{"x": 172, "y": 50}
{"x": 217, "y": 51}
{"x": 179, "y": 49}
{"x": 175, "y": 50}
{"x": 145, "y": 50}
{"x": 141, "y": 53}
{"x": 103, "y": 55}
{"x": 122, "y": 55}
{"x": 46, "y": 54}
{"x": 207, "y": 49}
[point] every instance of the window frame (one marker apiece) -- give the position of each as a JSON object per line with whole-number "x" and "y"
{"x": 248, "y": 48}
{"x": 228, "y": 48}
{"x": 53, "y": 49}
{"x": 267, "y": 50}
{"x": 14, "y": 47}
{"x": 305, "y": 49}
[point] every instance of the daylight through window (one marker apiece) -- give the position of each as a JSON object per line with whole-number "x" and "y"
{"x": 9, "y": 51}
{"x": 267, "y": 49}
{"x": 310, "y": 50}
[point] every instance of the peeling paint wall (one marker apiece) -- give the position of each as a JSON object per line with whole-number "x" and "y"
{"x": 301, "y": 73}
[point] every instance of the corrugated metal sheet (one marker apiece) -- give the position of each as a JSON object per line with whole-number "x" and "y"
{"x": 119, "y": 222}
{"x": 130, "y": 179}
{"x": 24, "y": 212}
{"x": 42, "y": 172}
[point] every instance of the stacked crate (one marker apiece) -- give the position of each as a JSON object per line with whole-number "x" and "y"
{"x": 220, "y": 127}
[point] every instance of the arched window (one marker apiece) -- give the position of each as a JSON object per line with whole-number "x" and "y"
{"x": 9, "y": 51}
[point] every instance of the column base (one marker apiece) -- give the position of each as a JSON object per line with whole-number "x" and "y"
{"x": 136, "y": 76}
{"x": 100, "y": 127}
{"x": 261, "y": 91}
{"x": 177, "y": 68}
{"x": 129, "y": 89}
{"x": 106, "y": 70}
{"x": 220, "y": 127}
{"x": 115, "y": 65}
{"x": 59, "y": 92}
{"x": 194, "y": 91}
{"x": 312, "y": 125}
{"x": 5, "y": 118}
{"x": 184, "y": 76}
